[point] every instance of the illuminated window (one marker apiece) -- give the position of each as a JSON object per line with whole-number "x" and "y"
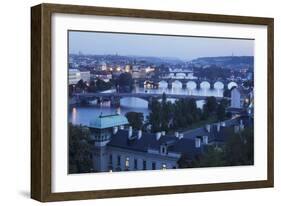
{"x": 127, "y": 162}
{"x": 164, "y": 166}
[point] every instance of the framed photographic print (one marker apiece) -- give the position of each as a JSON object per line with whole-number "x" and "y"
{"x": 130, "y": 102}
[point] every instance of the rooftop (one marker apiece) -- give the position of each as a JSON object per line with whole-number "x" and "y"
{"x": 108, "y": 121}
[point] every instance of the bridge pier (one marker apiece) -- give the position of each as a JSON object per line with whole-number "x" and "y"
{"x": 170, "y": 84}
{"x": 198, "y": 86}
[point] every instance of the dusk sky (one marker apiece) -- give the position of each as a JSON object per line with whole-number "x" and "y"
{"x": 185, "y": 48}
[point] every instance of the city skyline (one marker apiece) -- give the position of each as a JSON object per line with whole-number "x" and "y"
{"x": 180, "y": 47}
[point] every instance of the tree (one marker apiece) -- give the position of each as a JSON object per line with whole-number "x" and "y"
{"x": 221, "y": 112}
{"x": 125, "y": 81}
{"x": 102, "y": 85}
{"x": 227, "y": 93}
{"x": 79, "y": 149}
{"x": 209, "y": 107}
{"x": 80, "y": 85}
{"x": 135, "y": 119}
{"x": 155, "y": 116}
{"x": 239, "y": 148}
{"x": 212, "y": 157}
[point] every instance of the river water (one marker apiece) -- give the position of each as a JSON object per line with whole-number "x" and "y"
{"x": 83, "y": 115}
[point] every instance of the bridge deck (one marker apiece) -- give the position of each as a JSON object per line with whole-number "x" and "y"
{"x": 140, "y": 95}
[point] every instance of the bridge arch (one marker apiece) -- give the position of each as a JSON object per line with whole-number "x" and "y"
{"x": 191, "y": 85}
{"x": 205, "y": 85}
{"x": 163, "y": 84}
{"x": 232, "y": 84}
{"x": 176, "y": 84}
{"x": 218, "y": 85}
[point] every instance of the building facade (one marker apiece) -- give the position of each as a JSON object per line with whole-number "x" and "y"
{"x": 75, "y": 75}
{"x": 117, "y": 147}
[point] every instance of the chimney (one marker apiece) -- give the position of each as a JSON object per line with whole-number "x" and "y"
{"x": 158, "y": 135}
{"x": 218, "y": 127}
{"x": 115, "y": 130}
{"x": 163, "y": 133}
{"x": 139, "y": 134}
{"x": 198, "y": 142}
{"x": 130, "y": 132}
{"x": 208, "y": 127}
{"x": 205, "y": 140}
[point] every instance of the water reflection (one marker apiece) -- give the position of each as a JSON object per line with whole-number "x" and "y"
{"x": 83, "y": 115}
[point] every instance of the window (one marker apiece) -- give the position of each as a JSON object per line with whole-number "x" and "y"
{"x": 135, "y": 164}
{"x": 144, "y": 165}
{"x": 127, "y": 162}
{"x": 153, "y": 165}
{"x": 118, "y": 160}
{"x": 164, "y": 166}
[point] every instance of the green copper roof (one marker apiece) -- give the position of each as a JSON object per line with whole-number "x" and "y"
{"x": 102, "y": 122}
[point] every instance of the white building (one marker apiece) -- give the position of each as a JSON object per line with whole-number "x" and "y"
{"x": 74, "y": 75}
{"x": 85, "y": 76}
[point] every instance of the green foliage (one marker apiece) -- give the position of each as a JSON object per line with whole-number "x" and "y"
{"x": 237, "y": 150}
{"x": 93, "y": 86}
{"x": 155, "y": 115}
{"x": 213, "y": 157}
{"x": 102, "y": 85}
{"x": 79, "y": 150}
{"x": 221, "y": 112}
{"x": 125, "y": 81}
{"x": 135, "y": 119}
{"x": 166, "y": 116}
{"x": 227, "y": 93}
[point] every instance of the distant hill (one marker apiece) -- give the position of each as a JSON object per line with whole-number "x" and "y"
{"x": 235, "y": 62}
